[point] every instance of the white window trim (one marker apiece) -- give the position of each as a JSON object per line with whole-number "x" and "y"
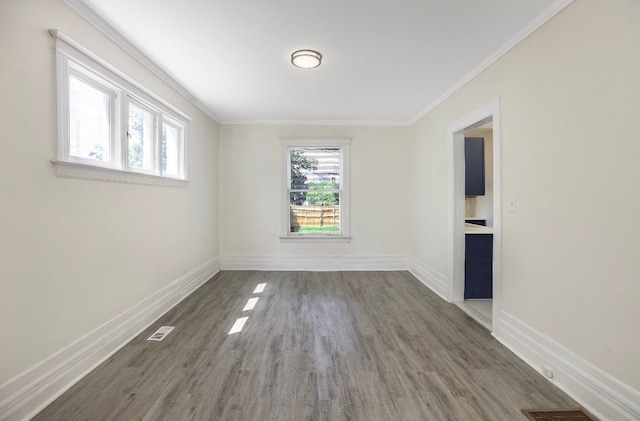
{"x": 71, "y": 57}
{"x": 181, "y": 148}
{"x": 344, "y": 143}
{"x": 92, "y": 172}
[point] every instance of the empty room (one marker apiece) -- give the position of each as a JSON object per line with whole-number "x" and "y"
{"x": 302, "y": 210}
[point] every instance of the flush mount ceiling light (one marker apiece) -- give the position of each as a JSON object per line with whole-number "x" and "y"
{"x": 306, "y": 59}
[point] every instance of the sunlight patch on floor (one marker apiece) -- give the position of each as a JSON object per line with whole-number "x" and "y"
{"x": 238, "y": 325}
{"x": 251, "y": 303}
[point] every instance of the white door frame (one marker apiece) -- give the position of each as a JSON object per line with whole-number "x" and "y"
{"x": 456, "y": 202}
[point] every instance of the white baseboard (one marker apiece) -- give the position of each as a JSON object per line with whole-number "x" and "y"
{"x": 600, "y": 393}
{"x": 314, "y": 263}
{"x": 433, "y": 279}
{"x": 24, "y": 396}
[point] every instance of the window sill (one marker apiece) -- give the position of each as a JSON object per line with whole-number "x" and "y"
{"x": 315, "y": 239}
{"x": 90, "y": 172}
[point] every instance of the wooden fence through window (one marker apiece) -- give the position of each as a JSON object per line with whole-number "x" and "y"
{"x": 314, "y": 216}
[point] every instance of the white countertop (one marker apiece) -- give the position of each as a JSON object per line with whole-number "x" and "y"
{"x": 477, "y": 229}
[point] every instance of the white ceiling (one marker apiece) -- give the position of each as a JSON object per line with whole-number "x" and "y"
{"x": 385, "y": 62}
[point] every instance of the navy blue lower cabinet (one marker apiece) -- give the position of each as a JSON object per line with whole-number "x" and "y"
{"x": 478, "y": 266}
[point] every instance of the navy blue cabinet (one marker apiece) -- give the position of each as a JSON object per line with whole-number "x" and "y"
{"x": 474, "y": 166}
{"x": 478, "y": 266}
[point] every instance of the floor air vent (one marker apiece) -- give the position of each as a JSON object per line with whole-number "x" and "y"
{"x": 569, "y": 414}
{"x": 160, "y": 333}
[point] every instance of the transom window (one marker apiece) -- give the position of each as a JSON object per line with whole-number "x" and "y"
{"x": 316, "y": 192}
{"x": 112, "y": 129}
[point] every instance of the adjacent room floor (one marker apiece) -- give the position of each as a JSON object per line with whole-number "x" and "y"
{"x": 315, "y": 346}
{"x": 478, "y": 309}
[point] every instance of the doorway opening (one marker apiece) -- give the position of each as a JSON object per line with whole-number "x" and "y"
{"x": 478, "y": 233}
{"x": 474, "y": 217}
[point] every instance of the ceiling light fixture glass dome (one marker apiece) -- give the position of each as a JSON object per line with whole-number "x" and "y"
{"x": 306, "y": 59}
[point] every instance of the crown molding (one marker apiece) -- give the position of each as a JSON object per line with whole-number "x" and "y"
{"x": 105, "y": 27}
{"x": 100, "y": 23}
{"x": 361, "y": 123}
{"x": 540, "y": 20}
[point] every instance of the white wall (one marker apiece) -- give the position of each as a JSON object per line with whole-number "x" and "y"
{"x": 570, "y": 101}
{"x": 76, "y": 253}
{"x": 251, "y": 172}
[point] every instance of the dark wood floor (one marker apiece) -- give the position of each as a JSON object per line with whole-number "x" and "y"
{"x": 317, "y": 346}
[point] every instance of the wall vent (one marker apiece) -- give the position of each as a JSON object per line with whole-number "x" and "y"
{"x": 558, "y": 414}
{"x": 160, "y": 333}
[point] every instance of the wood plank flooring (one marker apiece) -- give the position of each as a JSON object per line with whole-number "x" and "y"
{"x": 317, "y": 346}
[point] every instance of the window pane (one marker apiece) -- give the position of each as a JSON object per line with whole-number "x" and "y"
{"x": 315, "y": 168}
{"x": 140, "y": 136}
{"x": 170, "y": 145}
{"x": 315, "y": 212}
{"x": 89, "y": 121}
